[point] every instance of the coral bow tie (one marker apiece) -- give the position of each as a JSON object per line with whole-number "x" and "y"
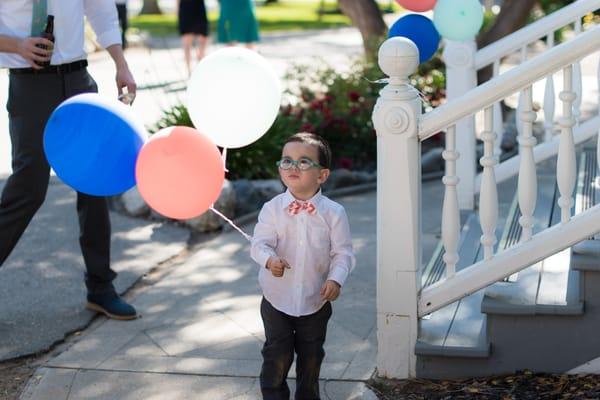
{"x": 295, "y": 207}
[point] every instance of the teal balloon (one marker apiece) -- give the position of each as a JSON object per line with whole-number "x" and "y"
{"x": 458, "y": 20}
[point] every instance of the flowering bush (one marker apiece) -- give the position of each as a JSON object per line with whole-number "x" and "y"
{"x": 335, "y": 105}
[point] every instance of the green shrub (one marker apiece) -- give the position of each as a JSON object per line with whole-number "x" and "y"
{"x": 337, "y": 106}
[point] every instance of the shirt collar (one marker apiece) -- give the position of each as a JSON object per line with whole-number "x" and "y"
{"x": 288, "y": 198}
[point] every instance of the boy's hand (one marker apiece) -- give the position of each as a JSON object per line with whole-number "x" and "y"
{"x": 330, "y": 290}
{"x": 277, "y": 265}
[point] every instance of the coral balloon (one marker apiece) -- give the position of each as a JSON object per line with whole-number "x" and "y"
{"x": 92, "y": 144}
{"x": 180, "y": 172}
{"x": 458, "y": 20}
{"x": 421, "y": 31}
{"x": 233, "y": 96}
{"x": 417, "y": 5}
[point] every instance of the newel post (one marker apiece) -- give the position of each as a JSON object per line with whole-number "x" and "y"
{"x": 395, "y": 118}
{"x": 461, "y": 77}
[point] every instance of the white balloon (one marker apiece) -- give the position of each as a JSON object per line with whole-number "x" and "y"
{"x": 233, "y": 96}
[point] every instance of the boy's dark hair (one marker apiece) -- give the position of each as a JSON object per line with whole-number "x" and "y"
{"x": 314, "y": 140}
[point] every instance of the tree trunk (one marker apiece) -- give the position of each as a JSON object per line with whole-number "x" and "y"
{"x": 513, "y": 15}
{"x": 150, "y": 7}
{"x": 366, "y": 16}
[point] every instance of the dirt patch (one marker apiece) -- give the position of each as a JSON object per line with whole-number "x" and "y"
{"x": 14, "y": 375}
{"x": 522, "y": 386}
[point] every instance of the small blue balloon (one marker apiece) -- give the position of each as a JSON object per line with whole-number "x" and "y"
{"x": 458, "y": 20}
{"x": 92, "y": 144}
{"x": 421, "y": 31}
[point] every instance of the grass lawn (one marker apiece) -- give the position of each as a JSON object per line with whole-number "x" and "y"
{"x": 283, "y": 16}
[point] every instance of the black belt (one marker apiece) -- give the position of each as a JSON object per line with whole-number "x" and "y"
{"x": 53, "y": 69}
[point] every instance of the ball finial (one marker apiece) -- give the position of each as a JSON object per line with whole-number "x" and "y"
{"x": 398, "y": 57}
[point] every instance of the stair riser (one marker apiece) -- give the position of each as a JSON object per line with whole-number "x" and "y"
{"x": 541, "y": 343}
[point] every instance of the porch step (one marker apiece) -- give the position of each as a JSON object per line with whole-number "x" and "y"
{"x": 459, "y": 329}
{"x": 551, "y": 286}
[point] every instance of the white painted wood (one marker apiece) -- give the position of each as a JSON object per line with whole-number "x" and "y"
{"x": 527, "y": 183}
{"x": 450, "y": 209}
{"x": 398, "y": 227}
{"x": 488, "y": 201}
{"x": 565, "y": 166}
{"x": 598, "y": 140}
{"x": 508, "y": 83}
{"x": 532, "y": 32}
{"x": 577, "y": 88}
{"x": 461, "y": 77}
{"x": 519, "y": 110}
{"x": 543, "y": 151}
{"x": 498, "y": 118}
{"x": 506, "y": 263}
{"x": 549, "y": 98}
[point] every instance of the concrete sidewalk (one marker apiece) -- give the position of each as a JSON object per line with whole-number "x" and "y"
{"x": 200, "y": 334}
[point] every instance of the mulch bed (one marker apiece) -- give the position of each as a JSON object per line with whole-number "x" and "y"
{"x": 14, "y": 375}
{"x": 523, "y": 385}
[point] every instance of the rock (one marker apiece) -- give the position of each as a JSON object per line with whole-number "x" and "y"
{"x": 268, "y": 188}
{"x": 253, "y": 194}
{"x": 339, "y": 178}
{"x": 133, "y": 203}
{"x": 209, "y": 221}
{"x": 249, "y": 197}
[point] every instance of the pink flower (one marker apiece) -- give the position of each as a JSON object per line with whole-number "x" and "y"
{"x": 354, "y": 96}
{"x": 345, "y": 162}
{"x": 307, "y": 127}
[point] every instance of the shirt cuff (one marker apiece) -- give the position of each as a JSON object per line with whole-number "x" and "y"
{"x": 109, "y": 38}
{"x": 338, "y": 274}
{"x": 262, "y": 258}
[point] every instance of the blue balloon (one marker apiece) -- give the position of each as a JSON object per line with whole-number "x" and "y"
{"x": 421, "y": 31}
{"x": 92, "y": 144}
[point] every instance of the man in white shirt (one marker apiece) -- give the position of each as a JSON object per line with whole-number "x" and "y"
{"x": 303, "y": 245}
{"x": 35, "y": 92}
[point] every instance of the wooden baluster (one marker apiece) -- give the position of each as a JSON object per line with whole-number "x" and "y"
{"x": 549, "y": 97}
{"x": 565, "y": 166}
{"x": 498, "y": 120}
{"x": 488, "y": 199}
{"x": 450, "y": 210}
{"x": 527, "y": 174}
{"x": 577, "y": 84}
{"x": 518, "y": 122}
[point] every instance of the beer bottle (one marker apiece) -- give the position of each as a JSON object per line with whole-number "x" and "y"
{"x": 47, "y": 33}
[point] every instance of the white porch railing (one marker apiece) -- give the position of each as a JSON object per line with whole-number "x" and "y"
{"x": 400, "y": 129}
{"x": 462, "y": 63}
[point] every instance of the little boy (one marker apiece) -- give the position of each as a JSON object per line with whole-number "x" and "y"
{"x": 302, "y": 243}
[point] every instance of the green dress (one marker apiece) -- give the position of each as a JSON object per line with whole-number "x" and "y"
{"x": 237, "y": 22}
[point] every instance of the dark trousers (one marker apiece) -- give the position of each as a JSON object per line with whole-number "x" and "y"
{"x": 31, "y": 100}
{"x": 285, "y": 334}
{"x": 122, "y": 12}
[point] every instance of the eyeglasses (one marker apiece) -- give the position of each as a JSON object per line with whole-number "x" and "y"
{"x": 302, "y": 164}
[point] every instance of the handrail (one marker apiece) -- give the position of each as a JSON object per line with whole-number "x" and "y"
{"x": 514, "y": 259}
{"x": 508, "y": 83}
{"x": 534, "y": 31}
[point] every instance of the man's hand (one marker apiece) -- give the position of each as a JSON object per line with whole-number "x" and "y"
{"x": 125, "y": 80}
{"x": 277, "y": 265}
{"x": 330, "y": 290}
{"x": 27, "y": 48}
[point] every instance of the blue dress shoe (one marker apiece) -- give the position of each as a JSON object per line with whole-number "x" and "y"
{"x": 111, "y": 305}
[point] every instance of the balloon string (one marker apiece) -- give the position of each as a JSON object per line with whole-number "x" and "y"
{"x": 248, "y": 237}
{"x": 224, "y": 157}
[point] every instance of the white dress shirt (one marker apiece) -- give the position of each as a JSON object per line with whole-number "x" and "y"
{"x": 317, "y": 247}
{"x": 15, "y": 20}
